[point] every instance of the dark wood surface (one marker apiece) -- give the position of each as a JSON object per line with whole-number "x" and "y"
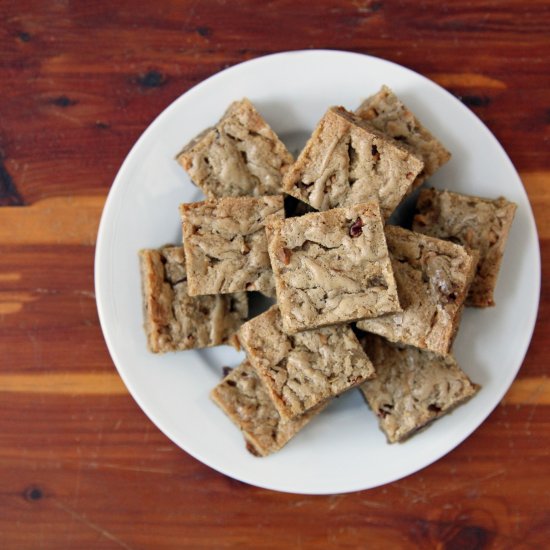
{"x": 80, "y": 464}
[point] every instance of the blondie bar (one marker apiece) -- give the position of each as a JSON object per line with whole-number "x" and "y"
{"x": 347, "y": 161}
{"x": 243, "y": 398}
{"x": 412, "y": 387}
{"x": 331, "y": 267}
{"x": 240, "y": 156}
{"x": 388, "y": 114}
{"x": 176, "y": 321}
{"x": 433, "y": 277}
{"x": 304, "y": 370}
{"x": 479, "y": 224}
{"x": 225, "y": 244}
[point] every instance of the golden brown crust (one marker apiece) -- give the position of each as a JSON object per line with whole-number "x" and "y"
{"x": 303, "y": 370}
{"x": 243, "y": 398}
{"x": 412, "y": 387}
{"x": 225, "y": 244}
{"x": 174, "y": 320}
{"x": 433, "y": 277}
{"x": 240, "y": 156}
{"x": 331, "y": 267}
{"x": 477, "y": 223}
{"x": 346, "y": 161}
{"x": 387, "y": 113}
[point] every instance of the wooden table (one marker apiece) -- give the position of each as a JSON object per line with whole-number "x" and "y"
{"x": 80, "y": 465}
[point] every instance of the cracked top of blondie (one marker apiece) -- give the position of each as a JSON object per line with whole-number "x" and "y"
{"x": 303, "y": 370}
{"x": 412, "y": 387}
{"x": 385, "y": 112}
{"x": 225, "y": 244}
{"x": 433, "y": 277}
{"x": 331, "y": 267}
{"x": 479, "y": 224}
{"x": 347, "y": 161}
{"x": 245, "y": 400}
{"x": 240, "y": 156}
{"x": 173, "y": 319}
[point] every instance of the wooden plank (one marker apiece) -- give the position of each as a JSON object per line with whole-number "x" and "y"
{"x": 528, "y": 391}
{"x": 467, "y": 80}
{"x": 64, "y": 383}
{"x": 55, "y": 220}
{"x": 75, "y": 220}
{"x": 524, "y": 391}
{"x": 99, "y": 479}
{"x": 48, "y": 314}
{"x": 91, "y": 122}
{"x": 537, "y": 185}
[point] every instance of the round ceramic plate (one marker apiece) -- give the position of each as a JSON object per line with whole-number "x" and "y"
{"x": 343, "y": 449}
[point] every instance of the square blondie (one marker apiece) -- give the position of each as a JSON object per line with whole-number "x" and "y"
{"x": 174, "y": 320}
{"x": 433, "y": 277}
{"x": 347, "y": 161}
{"x": 388, "y": 114}
{"x": 243, "y": 398}
{"x": 302, "y": 371}
{"x": 225, "y": 244}
{"x": 331, "y": 267}
{"x": 479, "y": 224}
{"x": 412, "y": 387}
{"x": 240, "y": 156}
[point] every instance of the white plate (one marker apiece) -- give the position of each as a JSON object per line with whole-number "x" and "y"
{"x": 343, "y": 449}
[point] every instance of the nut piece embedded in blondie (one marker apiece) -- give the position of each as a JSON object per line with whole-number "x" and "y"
{"x": 243, "y": 398}
{"x": 240, "y": 156}
{"x": 225, "y": 244}
{"x": 346, "y": 161}
{"x": 412, "y": 387}
{"x": 433, "y": 277}
{"x": 176, "y": 321}
{"x": 302, "y": 371}
{"x": 479, "y": 224}
{"x": 331, "y": 267}
{"x": 388, "y": 114}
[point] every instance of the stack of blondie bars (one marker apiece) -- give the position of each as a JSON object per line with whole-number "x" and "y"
{"x": 358, "y": 302}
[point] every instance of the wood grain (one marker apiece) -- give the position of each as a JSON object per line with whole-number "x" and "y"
{"x": 80, "y": 464}
{"x": 62, "y": 220}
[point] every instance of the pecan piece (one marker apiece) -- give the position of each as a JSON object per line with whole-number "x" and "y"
{"x": 421, "y": 219}
{"x": 251, "y": 449}
{"x": 355, "y": 229}
{"x": 384, "y": 410}
{"x": 284, "y": 255}
{"x": 375, "y": 153}
{"x": 379, "y": 281}
{"x": 226, "y": 371}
